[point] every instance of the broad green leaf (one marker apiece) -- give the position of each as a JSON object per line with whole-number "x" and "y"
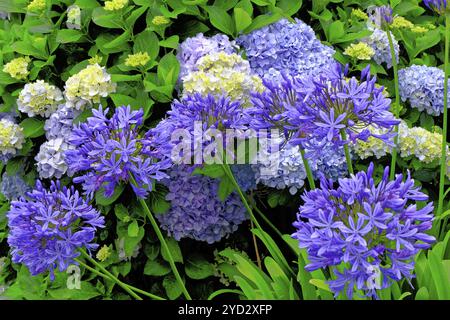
{"x": 174, "y": 250}
{"x": 68, "y": 35}
{"x": 102, "y": 200}
{"x": 241, "y": 19}
{"x": 198, "y": 268}
{"x": 32, "y": 127}
{"x": 221, "y": 19}
{"x": 156, "y": 268}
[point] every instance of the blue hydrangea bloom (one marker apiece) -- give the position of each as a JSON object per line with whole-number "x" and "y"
{"x": 109, "y": 151}
{"x": 196, "y": 211}
{"x": 423, "y": 88}
{"x": 373, "y": 230}
{"x": 285, "y": 47}
{"x": 13, "y": 187}
{"x": 49, "y": 226}
{"x": 60, "y": 123}
{"x": 379, "y": 42}
{"x": 245, "y": 176}
{"x": 194, "y": 48}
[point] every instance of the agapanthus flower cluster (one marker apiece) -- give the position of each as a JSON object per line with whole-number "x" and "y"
{"x": 372, "y": 231}
{"x": 18, "y": 68}
{"x": 11, "y": 138}
{"x": 50, "y": 160}
{"x": 109, "y": 151}
{"x": 245, "y": 176}
{"x": 285, "y": 47}
{"x": 39, "y": 98}
{"x": 372, "y": 147}
{"x": 379, "y": 42}
{"x": 423, "y": 88}
{"x": 438, "y": 6}
{"x": 73, "y": 17}
{"x": 47, "y": 227}
{"x": 194, "y": 48}
{"x": 282, "y": 170}
{"x": 360, "y": 51}
{"x": 13, "y": 187}
{"x": 223, "y": 74}
{"x": 88, "y": 86}
{"x": 196, "y": 211}
{"x": 381, "y": 16}
{"x": 326, "y": 158}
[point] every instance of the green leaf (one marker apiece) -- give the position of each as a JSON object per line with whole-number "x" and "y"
{"x": 125, "y": 77}
{"x": 171, "y": 42}
{"x": 121, "y": 212}
{"x": 106, "y": 19}
{"x": 262, "y": 21}
{"x": 156, "y": 268}
{"x": 68, "y": 35}
{"x": 118, "y": 41}
{"x": 212, "y": 171}
{"x": 197, "y": 267}
{"x": 289, "y": 7}
{"x": 133, "y": 229}
{"x": 147, "y": 41}
{"x": 226, "y": 187}
{"x": 321, "y": 284}
{"x": 168, "y": 70}
{"x": 336, "y": 31}
{"x": 102, "y": 200}
{"x": 124, "y": 100}
{"x": 422, "y": 294}
{"x": 172, "y": 287}
{"x": 32, "y": 127}
{"x": 220, "y": 19}
{"x": 241, "y": 19}
{"x": 174, "y": 249}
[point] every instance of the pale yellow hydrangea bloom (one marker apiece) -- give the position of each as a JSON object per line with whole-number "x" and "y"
{"x": 419, "y": 29}
{"x": 95, "y": 60}
{"x": 115, "y": 4}
{"x": 160, "y": 21}
{"x": 223, "y": 74}
{"x": 137, "y": 59}
{"x": 400, "y": 22}
{"x": 37, "y": 6}
{"x": 104, "y": 253}
{"x": 360, "y": 51}
{"x": 358, "y": 13}
{"x": 11, "y": 137}
{"x": 89, "y": 85}
{"x": 73, "y": 17}
{"x": 39, "y": 98}
{"x": 18, "y": 68}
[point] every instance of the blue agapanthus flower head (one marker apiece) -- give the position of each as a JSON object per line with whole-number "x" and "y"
{"x": 331, "y": 104}
{"x": 109, "y": 151}
{"x": 47, "y": 228}
{"x": 196, "y": 211}
{"x": 194, "y": 48}
{"x": 381, "y": 16}
{"x": 372, "y": 231}
{"x": 423, "y": 88}
{"x": 438, "y": 6}
{"x": 285, "y": 47}
{"x": 13, "y": 186}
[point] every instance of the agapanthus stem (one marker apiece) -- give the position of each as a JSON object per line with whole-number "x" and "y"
{"x": 444, "y": 125}
{"x": 110, "y": 275}
{"x": 137, "y": 290}
{"x": 266, "y": 220}
{"x": 309, "y": 173}
{"x": 255, "y": 244}
{"x": 397, "y": 102}
{"x": 348, "y": 158}
{"x": 163, "y": 242}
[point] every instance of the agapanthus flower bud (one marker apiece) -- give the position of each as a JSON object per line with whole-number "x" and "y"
{"x": 18, "y": 68}
{"x": 88, "y": 86}
{"x": 39, "y": 98}
{"x": 366, "y": 228}
{"x": 73, "y": 17}
{"x": 11, "y": 139}
{"x": 438, "y": 6}
{"x": 109, "y": 151}
{"x": 196, "y": 211}
{"x": 47, "y": 227}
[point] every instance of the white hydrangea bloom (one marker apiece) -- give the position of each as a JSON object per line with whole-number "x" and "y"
{"x": 73, "y": 17}
{"x": 11, "y": 138}
{"x": 88, "y": 86}
{"x": 50, "y": 160}
{"x": 39, "y": 98}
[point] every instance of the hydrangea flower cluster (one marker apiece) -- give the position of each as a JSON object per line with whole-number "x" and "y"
{"x": 196, "y": 211}
{"x": 60, "y": 123}
{"x": 285, "y": 47}
{"x": 223, "y": 74}
{"x": 49, "y": 226}
{"x": 18, "y": 68}
{"x": 360, "y": 51}
{"x": 108, "y": 151}
{"x": 379, "y": 42}
{"x": 39, "y": 98}
{"x": 194, "y": 48}
{"x": 423, "y": 88}
{"x": 245, "y": 176}
{"x": 50, "y": 160}
{"x": 326, "y": 158}
{"x": 113, "y": 5}
{"x": 73, "y": 17}
{"x": 372, "y": 230}
{"x": 160, "y": 20}
{"x": 137, "y": 60}
{"x": 359, "y": 14}
{"x": 13, "y": 187}
{"x": 11, "y": 138}
{"x": 36, "y": 6}
{"x": 88, "y": 86}
{"x": 372, "y": 147}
